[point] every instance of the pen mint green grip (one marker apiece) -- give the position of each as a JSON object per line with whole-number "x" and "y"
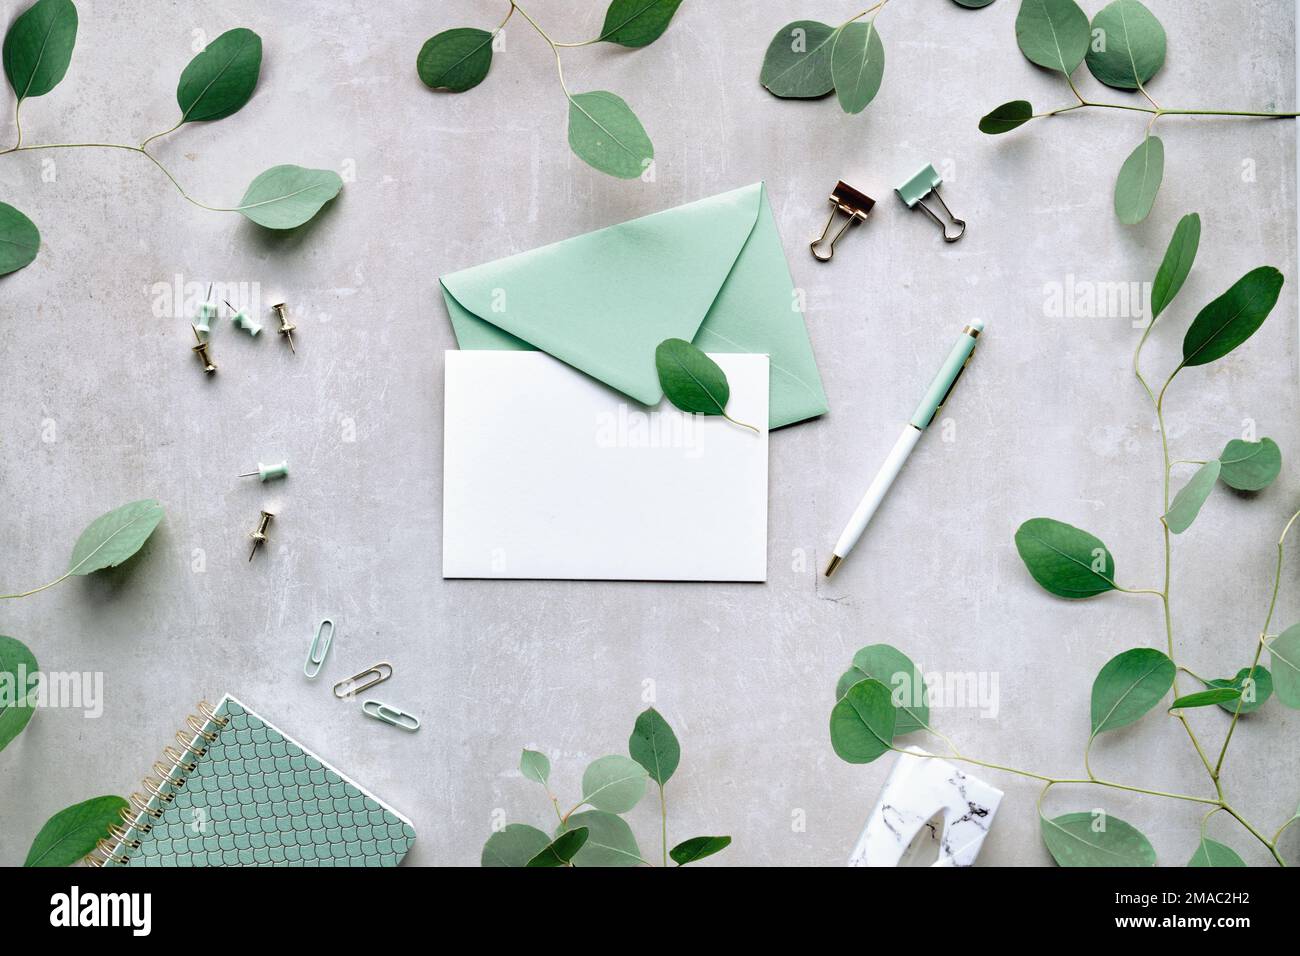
{"x": 942, "y": 383}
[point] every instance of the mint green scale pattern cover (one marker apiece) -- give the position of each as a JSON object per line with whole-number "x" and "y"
{"x": 257, "y": 798}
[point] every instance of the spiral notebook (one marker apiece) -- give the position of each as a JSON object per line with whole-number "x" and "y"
{"x": 239, "y": 792}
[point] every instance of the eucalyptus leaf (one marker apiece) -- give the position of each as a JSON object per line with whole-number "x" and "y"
{"x": 1007, "y": 117}
{"x": 610, "y": 841}
{"x": 221, "y": 79}
{"x": 614, "y": 783}
{"x": 797, "y": 64}
{"x": 692, "y": 381}
{"x": 1233, "y": 317}
{"x": 1187, "y": 503}
{"x": 1285, "y": 652}
{"x": 1128, "y": 686}
{"x": 1139, "y": 181}
{"x": 637, "y": 23}
{"x": 455, "y": 60}
{"x": 16, "y": 706}
{"x": 1053, "y": 33}
{"x": 535, "y": 766}
{"x": 1128, "y": 46}
{"x": 1250, "y": 465}
{"x": 285, "y": 197}
{"x": 605, "y": 134}
{"x": 1253, "y": 690}
{"x": 72, "y": 832}
{"x": 561, "y": 850}
{"x": 1210, "y": 853}
{"x": 1176, "y": 264}
{"x": 862, "y": 722}
{"x": 1087, "y": 839}
{"x": 38, "y": 47}
{"x": 654, "y": 746}
{"x": 697, "y": 848}
{"x": 114, "y": 537}
{"x": 1206, "y": 698}
{"x": 514, "y": 846}
{"x": 857, "y": 65}
{"x": 1065, "y": 560}
{"x": 19, "y": 239}
{"x": 896, "y": 671}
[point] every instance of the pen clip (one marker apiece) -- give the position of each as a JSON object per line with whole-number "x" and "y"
{"x": 955, "y": 379}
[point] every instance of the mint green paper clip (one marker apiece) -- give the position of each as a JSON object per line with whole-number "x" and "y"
{"x": 319, "y": 648}
{"x": 390, "y": 715}
{"x": 924, "y": 183}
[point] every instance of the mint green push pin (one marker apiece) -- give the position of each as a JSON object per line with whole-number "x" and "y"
{"x": 268, "y": 472}
{"x": 207, "y": 312}
{"x": 244, "y": 321}
{"x": 925, "y": 183}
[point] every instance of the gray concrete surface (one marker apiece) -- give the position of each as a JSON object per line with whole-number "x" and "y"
{"x": 103, "y": 404}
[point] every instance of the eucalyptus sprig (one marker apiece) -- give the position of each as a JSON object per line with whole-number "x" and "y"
{"x": 808, "y": 59}
{"x": 1124, "y": 48}
{"x": 216, "y": 83}
{"x": 873, "y": 704}
{"x": 692, "y": 381}
{"x": 611, "y": 785}
{"x": 603, "y": 130}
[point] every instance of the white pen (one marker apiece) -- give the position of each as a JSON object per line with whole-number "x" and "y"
{"x": 934, "y": 398}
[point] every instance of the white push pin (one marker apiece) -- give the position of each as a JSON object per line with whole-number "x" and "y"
{"x": 243, "y": 320}
{"x": 929, "y": 806}
{"x": 268, "y": 472}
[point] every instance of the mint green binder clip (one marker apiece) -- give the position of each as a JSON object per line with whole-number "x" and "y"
{"x": 925, "y": 183}
{"x": 320, "y": 646}
{"x": 390, "y": 715}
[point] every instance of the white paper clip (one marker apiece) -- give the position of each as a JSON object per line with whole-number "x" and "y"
{"x": 929, "y": 806}
{"x": 390, "y": 715}
{"x": 320, "y": 646}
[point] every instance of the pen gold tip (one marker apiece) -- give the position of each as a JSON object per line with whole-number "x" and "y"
{"x": 835, "y": 563}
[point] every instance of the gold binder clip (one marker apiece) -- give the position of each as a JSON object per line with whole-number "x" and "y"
{"x": 853, "y": 204}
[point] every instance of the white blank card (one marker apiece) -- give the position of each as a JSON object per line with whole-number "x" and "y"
{"x": 547, "y": 473}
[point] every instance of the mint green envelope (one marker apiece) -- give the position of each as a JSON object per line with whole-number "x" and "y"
{"x": 711, "y": 272}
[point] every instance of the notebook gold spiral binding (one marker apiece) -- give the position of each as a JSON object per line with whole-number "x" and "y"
{"x": 169, "y": 776}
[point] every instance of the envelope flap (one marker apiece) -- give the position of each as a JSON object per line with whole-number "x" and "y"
{"x": 603, "y": 301}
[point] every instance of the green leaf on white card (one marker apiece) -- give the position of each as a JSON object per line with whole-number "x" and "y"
{"x": 654, "y": 746}
{"x": 19, "y": 239}
{"x": 1128, "y": 45}
{"x": 605, "y": 134}
{"x": 1250, "y": 465}
{"x": 857, "y": 65}
{"x": 1053, "y": 33}
{"x": 692, "y": 381}
{"x": 1139, "y": 181}
{"x": 73, "y": 832}
{"x": 862, "y": 722}
{"x": 1064, "y": 559}
{"x": 1176, "y": 264}
{"x": 797, "y": 64}
{"x": 1187, "y": 503}
{"x": 1128, "y": 686}
{"x": 535, "y": 766}
{"x": 614, "y": 783}
{"x": 514, "y": 846}
{"x": 220, "y": 79}
{"x": 114, "y": 537}
{"x": 637, "y": 23}
{"x": 610, "y": 841}
{"x": 1233, "y": 317}
{"x": 285, "y": 197}
{"x": 1007, "y": 117}
{"x": 455, "y": 60}
{"x": 38, "y": 47}
{"x": 1095, "y": 839}
{"x": 1211, "y": 853}
{"x": 1285, "y": 653}
{"x": 16, "y": 709}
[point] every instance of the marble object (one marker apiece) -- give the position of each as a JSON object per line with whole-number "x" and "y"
{"x": 929, "y": 808}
